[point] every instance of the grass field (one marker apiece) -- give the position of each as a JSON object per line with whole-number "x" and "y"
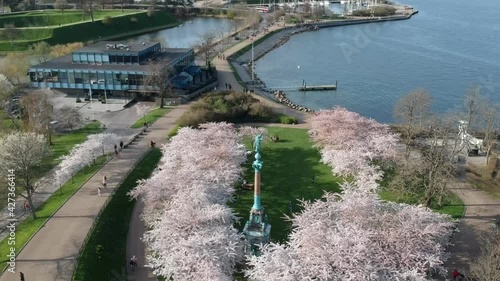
{"x": 151, "y": 117}
{"x": 289, "y": 166}
{"x": 88, "y": 31}
{"x": 104, "y": 255}
{"x": 56, "y": 18}
{"x": 28, "y": 227}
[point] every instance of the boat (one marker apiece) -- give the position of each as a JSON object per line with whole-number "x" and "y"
{"x": 343, "y": 2}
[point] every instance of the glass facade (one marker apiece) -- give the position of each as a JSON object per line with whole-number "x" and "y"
{"x": 83, "y": 79}
{"x": 121, "y": 80}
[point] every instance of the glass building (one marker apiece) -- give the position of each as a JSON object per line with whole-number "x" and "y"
{"x": 114, "y": 66}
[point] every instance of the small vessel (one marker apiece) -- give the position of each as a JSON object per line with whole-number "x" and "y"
{"x": 343, "y": 2}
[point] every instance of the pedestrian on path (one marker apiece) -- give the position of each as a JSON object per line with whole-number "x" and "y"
{"x": 117, "y": 153}
{"x": 133, "y": 263}
{"x": 121, "y": 145}
{"x": 22, "y": 276}
{"x": 26, "y": 206}
{"x": 116, "y": 146}
{"x": 99, "y": 190}
{"x": 104, "y": 181}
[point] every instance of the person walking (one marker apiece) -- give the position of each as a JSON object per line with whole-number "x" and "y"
{"x": 99, "y": 190}
{"x": 133, "y": 263}
{"x": 117, "y": 153}
{"x": 121, "y": 145}
{"x": 26, "y": 206}
{"x": 455, "y": 274}
{"x": 116, "y": 146}
{"x": 104, "y": 181}
{"x": 22, "y": 276}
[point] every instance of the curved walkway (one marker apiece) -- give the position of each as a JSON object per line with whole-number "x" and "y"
{"x": 52, "y": 252}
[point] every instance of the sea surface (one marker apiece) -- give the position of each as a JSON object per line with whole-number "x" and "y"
{"x": 447, "y": 48}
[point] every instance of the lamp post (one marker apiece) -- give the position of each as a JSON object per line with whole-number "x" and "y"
{"x": 106, "y": 98}
{"x": 50, "y": 126}
{"x": 91, "y": 107}
{"x": 253, "y": 69}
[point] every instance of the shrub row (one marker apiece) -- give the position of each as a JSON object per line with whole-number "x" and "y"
{"x": 381, "y": 11}
{"x": 226, "y": 106}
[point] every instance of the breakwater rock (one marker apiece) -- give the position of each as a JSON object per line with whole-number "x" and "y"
{"x": 281, "y": 98}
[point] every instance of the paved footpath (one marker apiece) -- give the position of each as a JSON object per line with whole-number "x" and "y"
{"x": 51, "y": 254}
{"x": 479, "y": 217}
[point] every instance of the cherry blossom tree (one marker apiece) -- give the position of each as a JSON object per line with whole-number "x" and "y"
{"x": 349, "y": 143}
{"x": 141, "y": 110}
{"x": 23, "y": 153}
{"x": 191, "y": 231}
{"x": 357, "y": 236}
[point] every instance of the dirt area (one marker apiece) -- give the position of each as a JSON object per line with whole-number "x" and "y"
{"x": 484, "y": 176}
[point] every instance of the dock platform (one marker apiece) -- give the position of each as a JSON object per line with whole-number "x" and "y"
{"x": 318, "y": 88}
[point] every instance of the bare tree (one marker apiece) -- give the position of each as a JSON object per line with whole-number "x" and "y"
{"x": 61, "y": 5}
{"x": 11, "y": 33}
{"x": 471, "y": 105}
{"x": 41, "y": 51}
{"x": 159, "y": 80}
{"x": 15, "y": 66}
{"x": 206, "y": 47}
{"x": 427, "y": 171}
{"x": 38, "y": 110}
{"x": 69, "y": 116}
{"x": 486, "y": 267}
{"x": 22, "y": 153}
{"x": 410, "y": 110}
{"x": 488, "y": 116}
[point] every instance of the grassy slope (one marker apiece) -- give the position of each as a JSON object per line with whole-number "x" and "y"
{"x": 289, "y": 166}
{"x": 87, "y": 31}
{"x": 29, "y": 226}
{"x": 55, "y": 18}
{"x": 111, "y": 230}
{"x": 151, "y": 117}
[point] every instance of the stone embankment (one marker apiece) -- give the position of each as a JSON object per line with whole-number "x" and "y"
{"x": 281, "y": 98}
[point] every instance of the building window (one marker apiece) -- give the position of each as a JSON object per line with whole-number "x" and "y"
{"x": 93, "y": 78}
{"x": 71, "y": 77}
{"x": 135, "y": 59}
{"x": 119, "y": 59}
{"x": 83, "y": 58}
{"x": 33, "y": 76}
{"x": 63, "y": 76}
{"x": 85, "y": 78}
{"x": 112, "y": 59}
{"x": 105, "y": 58}
{"x": 98, "y": 58}
{"x": 76, "y": 57}
{"x": 78, "y": 77}
{"x": 91, "y": 57}
{"x": 109, "y": 78}
{"x": 127, "y": 59}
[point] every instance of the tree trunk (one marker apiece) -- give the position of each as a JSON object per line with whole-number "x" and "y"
{"x": 32, "y": 208}
{"x": 91, "y": 14}
{"x": 162, "y": 97}
{"x": 122, "y": 7}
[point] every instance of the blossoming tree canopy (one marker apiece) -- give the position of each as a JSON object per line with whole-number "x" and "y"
{"x": 349, "y": 142}
{"x": 191, "y": 228}
{"x": 356, "y": 236}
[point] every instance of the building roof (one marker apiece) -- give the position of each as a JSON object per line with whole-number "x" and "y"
{"x": 66, "y": 62}
{"x": 116, "y": 46}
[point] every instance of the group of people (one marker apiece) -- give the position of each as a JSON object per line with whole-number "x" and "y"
{"x": 281, "y": 97}
{"x": 117, "y": 152}
{"x": 229, "y": 87}
{"x": 221, "y": 56}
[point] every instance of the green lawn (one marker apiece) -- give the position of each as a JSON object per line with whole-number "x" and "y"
{"x": 104, "y": 255}
{"x": 151, "y": 117}
{"x": 56, "y": 18}
{"x": 452, "y": 206}
{"x": 289, "y": 166}
{"x": 28, "y": 227}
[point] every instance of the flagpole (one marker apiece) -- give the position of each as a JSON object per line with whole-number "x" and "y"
{"x": 91, "y": 104}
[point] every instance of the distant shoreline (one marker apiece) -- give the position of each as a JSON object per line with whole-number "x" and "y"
{"x": 280, "y": 38}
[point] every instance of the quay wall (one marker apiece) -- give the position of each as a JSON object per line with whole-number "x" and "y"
{"x": 280, "y": 38}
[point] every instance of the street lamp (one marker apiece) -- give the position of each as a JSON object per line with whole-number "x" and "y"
{"x": 50, "y": 127}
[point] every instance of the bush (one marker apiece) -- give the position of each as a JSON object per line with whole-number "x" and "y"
{"x": 287, "y": 120}
{"x": 226, "y": 106}
{"x": 107, "y": 20}
{"x": 174, "y": 131}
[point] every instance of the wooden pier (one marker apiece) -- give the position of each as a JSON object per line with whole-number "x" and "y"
{"x": 318, "y": 88}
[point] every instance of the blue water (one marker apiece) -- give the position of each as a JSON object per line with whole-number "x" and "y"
{"x": 448, "y": 47}
{"x": 188, "y": 34}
